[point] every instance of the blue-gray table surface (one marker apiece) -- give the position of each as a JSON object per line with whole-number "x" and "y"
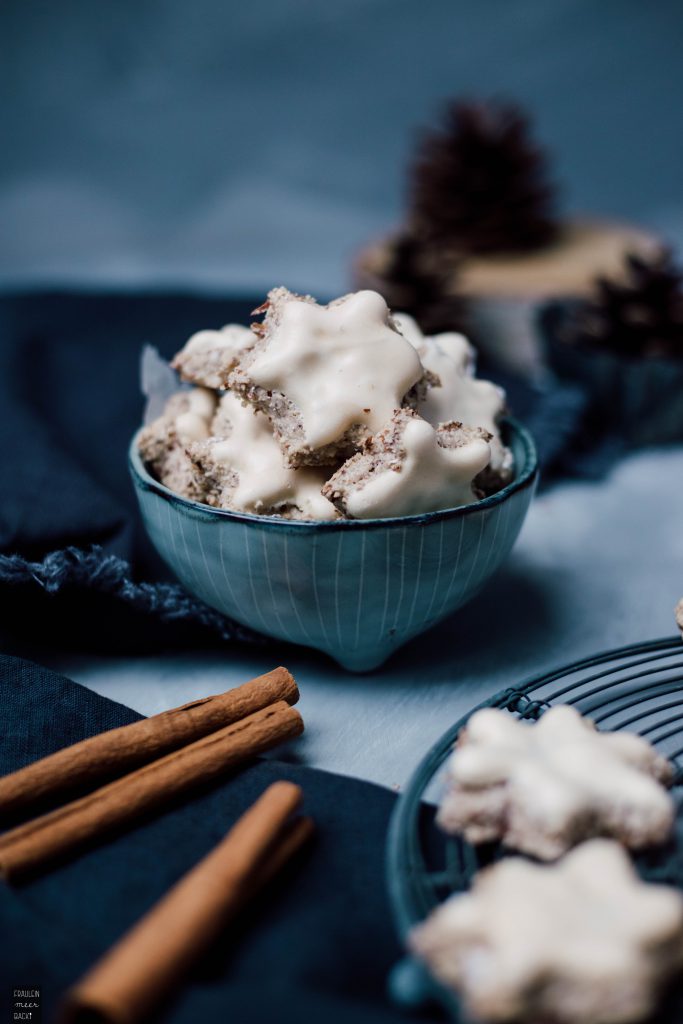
{"x": 597, "y": 565}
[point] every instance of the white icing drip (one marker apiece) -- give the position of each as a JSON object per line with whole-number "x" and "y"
{"x": 264, "y": 482}
{"x": 430, "y": 477}
{"x": 340, "y": 364}
{"x": 194, "y": 423}
{"x": 559, "y": 766}
{"x": 460, "y": 395}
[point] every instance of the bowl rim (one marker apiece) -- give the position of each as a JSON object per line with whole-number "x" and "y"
{"x": 529, "y": 472}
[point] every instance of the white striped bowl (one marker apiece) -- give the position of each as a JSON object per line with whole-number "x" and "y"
{"x": 355, "y": 589}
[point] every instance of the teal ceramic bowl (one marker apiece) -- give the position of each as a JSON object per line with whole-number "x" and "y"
{"x": 357, "y": 590}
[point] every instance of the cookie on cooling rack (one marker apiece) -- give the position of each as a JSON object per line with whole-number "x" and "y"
{"x": 544, "y": 787}
{"x": 679, "y": 615}
{"x": 583, "y": 941}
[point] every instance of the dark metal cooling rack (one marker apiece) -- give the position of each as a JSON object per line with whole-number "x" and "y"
{"x": 638, "y": 688}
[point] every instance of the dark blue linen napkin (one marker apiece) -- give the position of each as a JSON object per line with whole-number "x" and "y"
{"x": 73, "y": 555}
{"x": 316, "y": 947}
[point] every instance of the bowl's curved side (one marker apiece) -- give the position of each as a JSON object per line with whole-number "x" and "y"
{"x": 357, "y": 594}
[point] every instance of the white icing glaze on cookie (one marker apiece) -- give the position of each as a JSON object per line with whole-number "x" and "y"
{"x": 409, "y": 328}
{"x": 583, "y": 941}
{"x": 208, "y": 356}
{"x": 263, "y": 482}
{"x": 459, "y": 395}
{"x": 429, "y": 477}
{"x": 340, "y": 364}
{"x": 193, "y": 422}
{"x": 542, "y": 787}
{"x": 162, "y": 443}
{"x": 232, "y": 337}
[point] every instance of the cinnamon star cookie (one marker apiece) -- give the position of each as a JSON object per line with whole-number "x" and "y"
{"x": 544, "y": 787}
{"x": 327, "y": 376}
{"x": 410, "y": 467}
{"x": 583, "y": 941}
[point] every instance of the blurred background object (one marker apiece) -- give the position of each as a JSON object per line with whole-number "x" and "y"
{"x": 226, "y": 146}
{"x": 484, "y": 214}
{"x": 623, "y": 348}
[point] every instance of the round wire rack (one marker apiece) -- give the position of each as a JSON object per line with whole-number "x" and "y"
{"x": 637, "y": 688}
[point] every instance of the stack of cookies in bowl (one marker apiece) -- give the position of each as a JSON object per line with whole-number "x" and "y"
{"x": 322, "y": 429}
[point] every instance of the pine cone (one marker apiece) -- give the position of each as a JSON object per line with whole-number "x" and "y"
{"x": 640, "y": 316}
{"x": 416, "y": 282}
{"x": 480, "y": 185}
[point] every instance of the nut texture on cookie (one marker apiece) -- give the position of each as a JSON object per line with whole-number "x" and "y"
{"x": 544, "y": 787}
{"x": 242, "y": 468}
{"x": 209, "y": 356}
{"x": 583, "y": 941}
{"x": 410, "y": 467}
{"x": 186, "y": 418}
{"x": 327, "y": 376}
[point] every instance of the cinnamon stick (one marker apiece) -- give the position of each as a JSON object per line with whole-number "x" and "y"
{"x": 99, "y": 759}
{"x": 130, "y": 981}
{"x": 61, "y": 833}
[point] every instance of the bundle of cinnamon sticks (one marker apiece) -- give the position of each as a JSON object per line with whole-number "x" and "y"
{"x": 129, "y": 772}
{"x": 137, "y": 769}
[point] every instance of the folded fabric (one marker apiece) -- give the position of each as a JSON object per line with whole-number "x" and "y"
{"x": 73, "y": 554}
{"x": 72, "y": 549}
{"x": 317, "y": 946}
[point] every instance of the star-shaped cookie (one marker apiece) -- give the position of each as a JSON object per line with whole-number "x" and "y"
{"x": 327, "y": 376}
{"x": 544, "y": 787}
{"x": 583, "y": 941}
{"x": 410, "y": 467}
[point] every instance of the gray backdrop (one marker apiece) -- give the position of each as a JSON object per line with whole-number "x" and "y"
{"x": 233, "y": 145}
